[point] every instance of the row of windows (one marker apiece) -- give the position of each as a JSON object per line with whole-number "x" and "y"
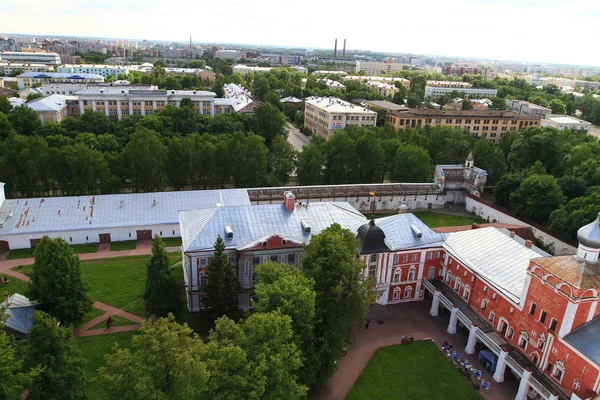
{"x": 542, "y": 317}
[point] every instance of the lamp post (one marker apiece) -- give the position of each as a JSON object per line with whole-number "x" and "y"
{"x": 372, "y": 194}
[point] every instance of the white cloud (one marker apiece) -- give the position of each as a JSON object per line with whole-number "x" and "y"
{"x": 546, "y": 31}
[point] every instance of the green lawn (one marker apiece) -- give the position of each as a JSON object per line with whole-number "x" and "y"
{"x": 93, "y": 349}
{"x": 119, "y": 281}
{"x": 433, "y": 219}
{"x": 85, "y": 248}
{"x": 19, "y": 253}
{"x": 172, "y": 242}
{"x": 416, "y": 370}
{"x": 90, "y": 315}
{"x": 14, "y": 286}
{"x": 118, "y": 246}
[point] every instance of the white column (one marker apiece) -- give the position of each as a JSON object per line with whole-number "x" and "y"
{"x": 435, "y": 305}
{"x": 94, "y": 105}
{"x": 453, "y": 320}
{"x": 470, "y": 349}
{"x": 553, "y": 396}
{"x": 130, "y": 104}
{"x": 500, "y": 366}
{"x": 119, "y": 114}
{"x": 524, "y": 385}
{"x": 106, "y": 108}
{"x": 143, "y": 108}
{"x": 567, "y": 321}
{"x": 212, "y": 108}
{"x": 153, "y": 106}
{"x": 80, "y": 106}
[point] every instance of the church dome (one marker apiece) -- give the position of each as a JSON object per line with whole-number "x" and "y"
{"x": 371, "y": 239}
{"x": 589, "y": 235}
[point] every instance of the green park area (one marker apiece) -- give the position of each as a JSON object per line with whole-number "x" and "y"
{"x": 411, "y": 371}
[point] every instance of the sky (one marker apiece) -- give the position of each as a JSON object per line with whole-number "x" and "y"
{"x": 548, "y": 31}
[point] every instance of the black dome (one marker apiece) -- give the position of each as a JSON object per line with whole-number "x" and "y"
{"x": 589, "y": 235}
{"x": 371, "y": 239}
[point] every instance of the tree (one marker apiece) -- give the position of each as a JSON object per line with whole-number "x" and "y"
{"x": 24, "y": 120}
{"x": 310, "y": 165}
{"x": 537, "y": 197}
{"x": 5, "y": 105}
{"x": 572, "y": 186}
{"x": 490, "y": 158}
{"x": 163, "y": 293}
{"x": 467, "y": 104}
{"x": 565, "y": 221}
{"x": 282, "y": 160}
{"x": 269, "y": 122}
{"x": 110, "y": 78}
{"x": 498, "y": 103}
{"x": 508, "y": 184}
{"x": 412, "y": 164}
{"x": 53, "y": 348}
{"x": 413, "y": 101}
{"x": 286, "y": 289}
{"x": 557, "y": 106}
{"x": 342, "y": 295}
{"x": 56, "y": 281}
{"x": 161, "y": 363}
{"x": 220, "y": 291}
{"x": 144, "y": 156}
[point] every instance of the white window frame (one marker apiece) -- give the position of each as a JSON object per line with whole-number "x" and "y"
{"x": 576, "y": 385}
{"x": 431, "y": 271}
{"x": 545, "y": 314}
{"x": 457, "y": 284}
{"x": 558, "y": 367}
{"x": 397, "y": 275}
{"x": 492, "y": 317}
{"x": 532, "y": 309}
{"x": 484, "y": 304}
{"x": 411, "y": 274}
{"x": 523, "y": 340}
{"x": 397, "y": 293}
{"x": 203, "y": 261}
{"x": 466, "y": 292}
{"x": 407, "y": 292}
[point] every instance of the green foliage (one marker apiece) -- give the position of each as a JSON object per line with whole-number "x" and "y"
{"x": 413, "y": 100}
{"x": 498, "y": 103}
{"x": 412, "y": 164}
{"x": 537, "y": 197}
{"x": 286, "y": 289}
{"x": 57, "y": 283}
{"x": 5, "y": 105}
{"x": 572, "y": 186}
{"x": 310, "y": 165}
{"x": 24, "y": 120}
{"x": 282, "y": 160}
{"x": 53, "y": 348}
{"x": 270, "y": 122}
{"x": 574, "y": 214}
{"x": 162, "y": 363}
{"x": 163, "y": 293}
{"x": 220, "y": 292}
{"x": 557, "y": 106}
{"x": 342, "y": 295}
{"x": 145, "y": 157}
{"x": 490, "y": 158}
{"x": 467, "y": 104}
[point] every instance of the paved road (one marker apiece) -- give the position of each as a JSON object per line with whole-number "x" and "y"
{"x": 296, "y": 138}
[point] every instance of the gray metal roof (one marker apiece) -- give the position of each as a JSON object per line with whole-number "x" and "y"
{"x": 254, "y": 224}
{"x": 589, "y": 235}
{"x": 399, "y": 235}
{"x": 494, "y": 255}
{"x": 54, "y": 214}
{"x": 585, "y": 339}
{"x": 19, "y": 311}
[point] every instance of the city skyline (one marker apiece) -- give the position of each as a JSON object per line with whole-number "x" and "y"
{"x": 517, "y": 32}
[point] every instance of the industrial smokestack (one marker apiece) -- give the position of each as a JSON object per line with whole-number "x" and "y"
{"x": 335, "y": 49}
{"x": 344, "y": 50}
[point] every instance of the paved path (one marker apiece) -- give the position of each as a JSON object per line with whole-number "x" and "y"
{"x": 83, "y": 330}
{"x": 410, "y": 319}
{"x": 296, "y": 138}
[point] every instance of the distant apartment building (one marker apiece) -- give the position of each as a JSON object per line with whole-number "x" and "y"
{"x": 383, "y": 89}
{"x": 247, "y": 69}
{"x": 54, "y": 108}
{"x": 125, "y": 101}
{"x": 564, "y": 122}
{"x": 236, "y": 99}
{"x": 460, "y": 70}
{"x": 323, "y": 116}
{"x": 377, "y": 67}
{"x": 30, "y": 57}
{"x": 31, "y": 79}
{"x": 8, "y": 68}
{"x": 386, "y": 79}
{"x": 522, "y": 107}
{"x": 230, "y": 54}
{"x": 440, "y": 88}
{"x": 481, "y": 124}
{"x": 71, "y": 88}
{"x": 333, "y": 85}
{"x": 99, "y": 69}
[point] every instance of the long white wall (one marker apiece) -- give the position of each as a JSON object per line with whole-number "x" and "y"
{"x": 555, "y": 245}
{"x": 120, "y": 234}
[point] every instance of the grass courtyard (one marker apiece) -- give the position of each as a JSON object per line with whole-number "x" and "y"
{"x": 434, "y": 219}
{"x": 416, "y": 370}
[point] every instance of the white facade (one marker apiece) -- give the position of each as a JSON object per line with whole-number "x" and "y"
{"x": 9, "y": 68}
{"x": 564, "y": 122}
{"x": 66, "y": 88}
{"x": 437, "y": 91}
{"x": 25, "y": 57}
{"x": 246, "y": 69}
{"x": 102, "y": 70}
{"x": 324, "y": 115}
{"x": 377, "y": 68}
{"x": 230, "y": 54}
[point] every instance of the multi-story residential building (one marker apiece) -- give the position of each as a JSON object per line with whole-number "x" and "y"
{"x": 384, "y": 79}
{"x": 33, "y": 58}
{"x": 377, "y": 67}
{"x": 564, "y": 122}
{"x": 439, "y": 88}
{"x": 8, "y": 68}
{"x": 324, "y": 115}
{"x": 102, "y": 70}
{"x": 54, "y": 108}
{"x": 522, "y": 107}
{"x": 30, "y": 79}
{"x": 460, "y": 70}
{"x": 383, "y": 88}
{"x": 230, "y": 54}
{"x": 125, "y": 101}
{"x": 488, "y": 124}
{"x": 236, "y": 99}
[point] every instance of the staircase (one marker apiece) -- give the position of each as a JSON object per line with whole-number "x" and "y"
{"x": 378, "y": 312}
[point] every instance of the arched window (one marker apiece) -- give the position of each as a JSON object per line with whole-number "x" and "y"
{"x": 397, "y": 275}
{"x": 431, "y": 273}
{"x": 466, "y": 292}
{"x": 407, "y": 292}
{"x": 411, "y": 274}
{"x": 397, "y": 293}
{"x": 457, "y": 284}
{"x": 203, "y": 279}
{"x": 373, "y": 258}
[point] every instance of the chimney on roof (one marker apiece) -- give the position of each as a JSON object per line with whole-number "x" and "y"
{"x": 335, "y": 49}
{"x": 528, "y": 243}
{"x": 154, "y": 202}
{"x": 512, "y": 234}
{"x": 289, "y": 200}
